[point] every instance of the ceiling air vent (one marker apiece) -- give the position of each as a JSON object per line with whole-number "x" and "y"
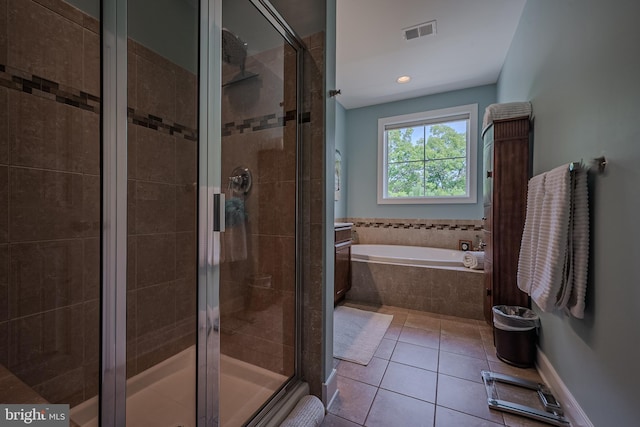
{"x": 420, "y": 30}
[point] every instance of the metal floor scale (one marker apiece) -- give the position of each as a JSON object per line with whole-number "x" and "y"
{"x": 554, "y": 414}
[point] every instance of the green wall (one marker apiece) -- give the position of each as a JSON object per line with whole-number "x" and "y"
{"x": 579, "y": 64}
{"x": 362, "y": 153}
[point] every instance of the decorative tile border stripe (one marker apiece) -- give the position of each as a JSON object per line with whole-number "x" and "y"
{"x": 259, "y": 123}
{"x": 161, "y": 125}
{"x": 19, "y": 80}
{"x": 22, "y": 81}
{"x": 417, "y": 225}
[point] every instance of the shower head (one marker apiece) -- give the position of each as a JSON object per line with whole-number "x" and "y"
{"x": 234, "y": 50}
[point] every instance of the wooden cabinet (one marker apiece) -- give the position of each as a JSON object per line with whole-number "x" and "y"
{"x": 342, "y": 277}
{"x": 506, "y": 175}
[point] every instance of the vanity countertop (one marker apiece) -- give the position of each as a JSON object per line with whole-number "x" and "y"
{"x": 342, "y": 224}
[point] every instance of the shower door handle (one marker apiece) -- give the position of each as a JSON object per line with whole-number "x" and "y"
{"x": 218, "y": 212}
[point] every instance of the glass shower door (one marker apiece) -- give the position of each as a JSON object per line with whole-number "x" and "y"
{"x": 162, "y": 159}
{"x": 258, "y": 267}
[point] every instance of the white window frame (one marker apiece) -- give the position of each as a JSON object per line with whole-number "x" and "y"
{"x": 469, "y": 112}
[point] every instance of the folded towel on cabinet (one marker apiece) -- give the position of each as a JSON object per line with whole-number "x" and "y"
{"x": 505, "y": 110}
{"x": 473, "y": 260}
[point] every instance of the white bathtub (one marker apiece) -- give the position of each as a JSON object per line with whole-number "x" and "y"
{"x": 407, "y": 255}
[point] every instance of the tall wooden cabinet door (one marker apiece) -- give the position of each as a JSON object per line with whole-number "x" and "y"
{"x": 509, "y": 202}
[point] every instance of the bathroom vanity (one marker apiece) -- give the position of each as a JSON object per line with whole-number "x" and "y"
{"x": 342, "y": 275}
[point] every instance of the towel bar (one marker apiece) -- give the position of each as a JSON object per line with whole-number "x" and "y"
{"x": 599, "y": 164}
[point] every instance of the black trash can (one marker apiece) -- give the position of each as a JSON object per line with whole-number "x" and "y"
{"x": 515, "y": 335}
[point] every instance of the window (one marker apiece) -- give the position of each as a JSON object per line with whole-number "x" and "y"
{"x": 428, "y": 157}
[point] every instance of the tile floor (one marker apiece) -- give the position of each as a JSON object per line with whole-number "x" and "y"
{"x": 426, "y": 372}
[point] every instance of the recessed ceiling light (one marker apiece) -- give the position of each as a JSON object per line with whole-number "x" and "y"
{"x": 403, "y": 79}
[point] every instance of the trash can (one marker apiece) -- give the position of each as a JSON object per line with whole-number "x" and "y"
{"x": 515, "y": 334}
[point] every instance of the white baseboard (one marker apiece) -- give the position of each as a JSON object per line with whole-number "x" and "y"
{"x": 572, "y": 409}
{"x": 330, "y": 389}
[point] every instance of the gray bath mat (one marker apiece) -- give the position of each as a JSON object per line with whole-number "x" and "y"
{"x": 357, "y": 333}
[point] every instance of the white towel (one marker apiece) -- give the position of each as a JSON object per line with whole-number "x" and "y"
{"x": 308, "y": 412}
{"x": 473, "y": 260}
{"x": 505, "y": 111}
{"x": 553, "y": 261}
{"x": 580, "y": 240}
{"x": 529, "y": 244}
{"x": 551, "y": 248}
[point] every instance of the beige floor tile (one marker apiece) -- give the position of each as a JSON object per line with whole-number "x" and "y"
{"x": 423, "y": 337}
{"x": 465, "y": 396}
{"x": 416, "y": 355}
{"x": 398, "y": 318}
{"x": 331, "y": 420}
{"x": 385, "y": 349}
{"x": 464, "y": 346}
{"x": 393, "y": 409}
{"x": 410, "y": 381}
{"x": 486, "y": 332}
{"x": 460, "y": 366}
{"x": 422, "y": 322}
{"x": 459, "y": 329}
{"x": 353, "y": 400}
{"x": 370, "y": 374}
{"x": 490, "y": 351}
{"x": 393, "y": 332}
{"x": 460, "y": 319}
{"x": 446, "y": 417}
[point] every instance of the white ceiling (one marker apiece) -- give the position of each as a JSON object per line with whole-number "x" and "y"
{"x": 470, "y": 46}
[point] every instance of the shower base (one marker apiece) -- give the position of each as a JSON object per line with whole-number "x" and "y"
{"x": 165, "y": 394}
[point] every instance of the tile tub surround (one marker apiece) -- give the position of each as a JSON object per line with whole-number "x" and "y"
{"x": 453, "y": 291}
{"x": 434, "y": 233}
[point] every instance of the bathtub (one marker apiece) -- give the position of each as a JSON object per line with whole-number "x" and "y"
{"x": 418, "y": 278}
{"x": 407, "y": 255}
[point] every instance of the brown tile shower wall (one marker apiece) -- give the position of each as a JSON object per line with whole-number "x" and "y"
{"x": 257, "y": 290}
{"x": 49, "y": 199}
{"x": 162, "y": 171}
{"x": 435, "y": 233}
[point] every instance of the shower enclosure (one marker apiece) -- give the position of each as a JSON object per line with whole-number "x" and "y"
{"x": 149, "y": 209}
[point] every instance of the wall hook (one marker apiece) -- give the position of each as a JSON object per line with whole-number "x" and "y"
{"x": 600, "y": 163}
{"x": 334, "y": 92}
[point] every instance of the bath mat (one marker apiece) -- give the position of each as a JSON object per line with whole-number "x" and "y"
{"x": 358, "y": 333}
